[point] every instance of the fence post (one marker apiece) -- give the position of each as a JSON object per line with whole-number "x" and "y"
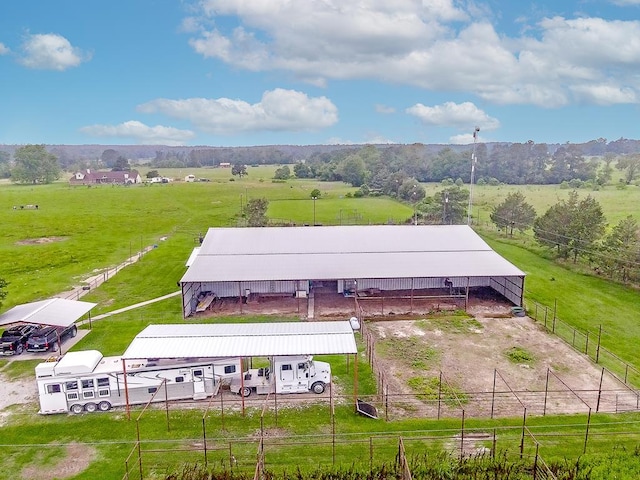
{"x": 586, "y": 345}
{"x": 586, "y": 434}
{"x": 524, "y": 423}
{"x": 598, "y": 347}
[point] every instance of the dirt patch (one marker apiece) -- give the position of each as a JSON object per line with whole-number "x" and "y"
{"x": 486, "y": 365}
{"x": 76, "y": 459}
{"x": 16, "y": 392}
{"x": 40, "y": 241}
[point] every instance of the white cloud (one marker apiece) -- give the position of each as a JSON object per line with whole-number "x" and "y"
{"x": 450, "y": 114}
{"x": 384, "y": 109}
{"x": 605, "y": 94}
{"x": 50, "y": 52}
{"x": 624, "y": 3}
{"x": 464, "y": 139}
{"x": 278, "y": 110}
{"x": 4, "y": 49}
{"x": 441, "y": 45}
{"x": 141, "y": 133}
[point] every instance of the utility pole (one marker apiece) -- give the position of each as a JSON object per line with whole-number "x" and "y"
{"x": 473, "y": 171}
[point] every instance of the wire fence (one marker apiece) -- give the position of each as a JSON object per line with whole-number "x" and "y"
{"x": 586, "y": 342}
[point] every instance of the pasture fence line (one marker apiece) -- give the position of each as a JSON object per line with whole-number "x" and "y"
{"x": 367, "y": 450}
{"x": 100, "y": 278}
{"x": 586, "y": 342}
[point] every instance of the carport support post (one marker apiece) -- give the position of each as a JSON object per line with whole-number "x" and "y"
{"x": 242, "y": 385}
{"x": 355, "y": 380}
{"x": 126, "y": 389}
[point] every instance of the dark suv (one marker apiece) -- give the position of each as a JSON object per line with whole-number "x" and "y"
{"x": 48, "y": 338}
{"x": 14, "y": 339}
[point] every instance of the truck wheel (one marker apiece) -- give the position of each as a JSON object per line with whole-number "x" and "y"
{"x": 19, "y": 349}
{"x": 318, "y": 387}
{"x": 74, "y": 332}
{"x": 104, "y": 406}
{"x": 90, "y": 407}
{"x": 76, "y": 409}
{"x": 246, "y": 391}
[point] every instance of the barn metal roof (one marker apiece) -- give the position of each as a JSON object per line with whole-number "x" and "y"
{"x": 58, "y": 312}
{"x": 323, "y": 253}
{"x": 243, "y": 340}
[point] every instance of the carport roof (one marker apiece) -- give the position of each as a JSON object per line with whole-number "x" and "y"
{"x": 243, "y": 340}
{"x": 324, "y": 253}
{"x": 58, "y": 312}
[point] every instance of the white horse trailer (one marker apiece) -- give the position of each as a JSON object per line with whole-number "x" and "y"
{"x": 87, "y": 381}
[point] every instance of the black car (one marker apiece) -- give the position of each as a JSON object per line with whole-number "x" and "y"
{"x": 14, "y": 339}
{"x": 49, "y": 338}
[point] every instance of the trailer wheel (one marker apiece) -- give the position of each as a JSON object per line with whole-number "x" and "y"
{"x": 90, "y": 407}
{"x": 19, "y": 349}
{"x": 74, "y": 331}
{"x": 104, "y": 406}
{"x": 76, "y": 409}
{"x": 318, "y": 387}
{"x": 54, "y": 346}
{"x": 246, "y": 391}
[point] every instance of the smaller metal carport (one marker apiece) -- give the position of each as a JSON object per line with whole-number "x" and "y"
{"x": 56, "y": 312}
{"x": 244, "y": 340}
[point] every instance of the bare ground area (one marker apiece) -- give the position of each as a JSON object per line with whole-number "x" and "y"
{"x": 471, "y": 358}
{"x": 75, "y": 459}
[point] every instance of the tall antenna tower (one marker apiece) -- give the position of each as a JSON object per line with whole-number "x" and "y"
{"x": 473, "y": 171}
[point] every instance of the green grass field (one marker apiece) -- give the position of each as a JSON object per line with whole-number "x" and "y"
{"x": 79, "y": 231}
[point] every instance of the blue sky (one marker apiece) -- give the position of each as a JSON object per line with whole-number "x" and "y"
{"x": 263, "y": 72}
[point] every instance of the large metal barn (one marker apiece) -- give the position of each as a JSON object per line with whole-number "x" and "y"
{"x": 350, "y": 260}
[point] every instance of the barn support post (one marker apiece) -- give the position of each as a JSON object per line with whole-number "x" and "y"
{"x": 466, "y": 296}
{"x": 240, "y": 297}
{"x": 411, "y": 306}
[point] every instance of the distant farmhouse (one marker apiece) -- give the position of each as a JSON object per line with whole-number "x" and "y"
{"x": 108, "y": 177}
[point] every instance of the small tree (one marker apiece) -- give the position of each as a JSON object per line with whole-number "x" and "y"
{"x": 153, "y": 174}
{"x": 33, "y": 164}
{"x": 513, "y": 212}
{"x": 621, "y": 251}
{"x": 315, "y": 193}
{"x": 256, "y": 212}
{"x": 571, "y": 226}
{"x": 448, "y": 207}
{"x": 239, "y": 169}
{"x": 302, "y": 170}
{"x": 282, "y": 173}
